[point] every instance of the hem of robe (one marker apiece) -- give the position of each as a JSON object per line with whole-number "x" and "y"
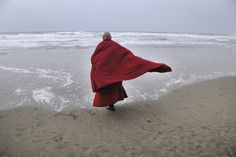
{"x": 109, "y": 95}
{"x": 104, "y": 105}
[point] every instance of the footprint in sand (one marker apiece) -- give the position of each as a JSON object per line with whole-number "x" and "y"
{"x": 73, "y": 116}
{"x": 57, "y": 138}
{"x": 18, "y": 134}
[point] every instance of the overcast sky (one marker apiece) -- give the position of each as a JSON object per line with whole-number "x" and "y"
{"x": 184, "y": 16}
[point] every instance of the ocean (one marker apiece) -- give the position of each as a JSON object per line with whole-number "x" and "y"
{"x": 52, "y": 69}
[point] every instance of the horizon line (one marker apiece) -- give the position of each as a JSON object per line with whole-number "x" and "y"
{"x": 164, "y": 32}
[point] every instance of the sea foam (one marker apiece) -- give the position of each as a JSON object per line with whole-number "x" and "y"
{"x": 43, "y": 95}
{"x": 56, "y": 75}
{"x": 82, "y": 39}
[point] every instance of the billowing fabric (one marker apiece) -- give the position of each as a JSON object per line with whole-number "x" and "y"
{"x": 112, "y": 64}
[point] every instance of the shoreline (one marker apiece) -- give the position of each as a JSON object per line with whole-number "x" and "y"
{"x": 195, "y": 120}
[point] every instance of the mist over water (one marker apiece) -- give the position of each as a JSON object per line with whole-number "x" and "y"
{"x": 53, "y": 69}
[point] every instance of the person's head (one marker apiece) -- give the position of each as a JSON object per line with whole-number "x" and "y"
{"x": 106, "y": 35}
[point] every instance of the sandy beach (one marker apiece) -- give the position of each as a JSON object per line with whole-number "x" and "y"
{"x": 196, "y": 120}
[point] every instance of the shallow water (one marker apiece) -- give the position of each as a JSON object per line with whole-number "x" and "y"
{"x": 59, "y": 77}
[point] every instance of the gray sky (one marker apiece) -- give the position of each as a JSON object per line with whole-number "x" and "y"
{"x": 184, "y": 16}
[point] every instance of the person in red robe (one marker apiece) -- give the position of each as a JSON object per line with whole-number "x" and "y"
{"x": 112, "y": 64}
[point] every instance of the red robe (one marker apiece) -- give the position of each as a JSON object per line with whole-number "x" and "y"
{"x": 112, "y": 64}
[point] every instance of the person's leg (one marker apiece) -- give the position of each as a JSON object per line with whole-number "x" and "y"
{"x": 109, "y": 95}
{"x": 111, "y": 107}
{"x": 121, "y": 94}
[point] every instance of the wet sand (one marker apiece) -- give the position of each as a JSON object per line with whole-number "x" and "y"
{"x": 197, "y": 120}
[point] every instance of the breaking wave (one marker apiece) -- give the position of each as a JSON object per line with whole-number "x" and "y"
{"x": 52, "y": 40}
